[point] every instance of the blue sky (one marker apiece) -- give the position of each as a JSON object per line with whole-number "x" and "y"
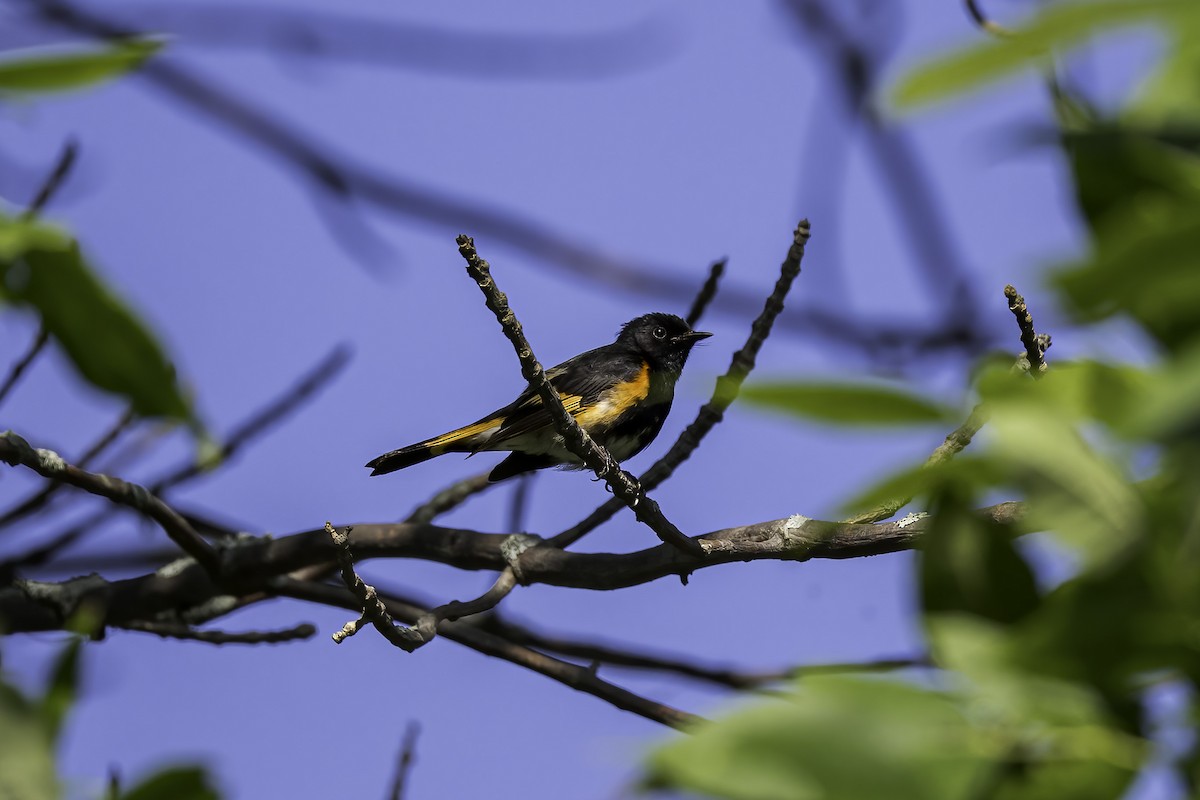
{"x": 711, "y": 141}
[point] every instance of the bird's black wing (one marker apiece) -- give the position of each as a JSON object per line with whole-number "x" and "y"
{"x": 579, "y": 381}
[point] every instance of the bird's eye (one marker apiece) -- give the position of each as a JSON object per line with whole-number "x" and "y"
{"x": 659, "y": 332}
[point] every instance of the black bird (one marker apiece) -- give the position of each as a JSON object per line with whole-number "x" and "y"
{"x": 619, "y": 393}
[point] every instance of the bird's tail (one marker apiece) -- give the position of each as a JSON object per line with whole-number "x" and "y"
{"x": 463, "y": 440}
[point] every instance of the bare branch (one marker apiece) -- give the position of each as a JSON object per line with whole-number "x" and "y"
{"x": 251, "y": 565}
{"x": 242, "y": 434}
{"x": 30, "y": 606}
{"x": 408, "y": 750}
{"x": 628, "y": 657}
{"x": 317, "y": 378}
{"x": 18, "y": 369}
{"x": 623, "y": 485}
{"x": 373, "y": 610}
{"x": 726, "y": 391}
{"x": 168, "y": 630}
{"x": 381, "y": 41}
{"x": 449, "y": 498}
{"x": 519, "y": 502}
{"x": 50, "y": 187}
{"x": 954, "y": 443}
{"x": 14, "y": 450}
{"x": 983, "y": 21}
{"x": 1035, "y": 344}
{"x": 572, "y": 675}
{"x": 40, "y": 498}
{"x": 707, "y": 292}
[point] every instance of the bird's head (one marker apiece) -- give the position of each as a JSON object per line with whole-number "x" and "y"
{"x": 665, "y": 340}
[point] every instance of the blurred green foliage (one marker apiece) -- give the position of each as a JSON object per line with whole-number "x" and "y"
{"x": 43, "y": 269}
{"x": 1038, "y": 692}
{"x": 38, "y": 72}
{"x": 30, "y": 730}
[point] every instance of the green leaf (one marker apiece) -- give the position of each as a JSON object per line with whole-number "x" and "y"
{"x": 1080, "y": 391}
{"x": 175, "y": 783}
{"x": 1171, "y": 405}
{"x": 40, "y": 71}
{"x": 44, "y": 269}
{"x": 1059, "y": 27}
{"x": 1171, "y": 97}
{"x": 26, "y": 752}
{"x": 1147, "y": 270}
{"x": 1084, "y": 754}
{"x": 971, "y": 565}
{"x": 64, "y": 687}
{"x": 1073, "y": 490}
{"x": 835, "y": 739}
{"x": 1121, "y": 174}
{"x": 850, "y": 404}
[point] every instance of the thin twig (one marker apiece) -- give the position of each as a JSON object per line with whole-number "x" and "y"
{"x": 317, "y": 378}
{"x": 652, "y": 662}
{"x": 1035, "y": 344}
{"x": 408, "y": 752}
{"x": 50, "y": 187}
{"x": 623, "y": 485}
{"x": 14, "y": 450}
{"x": 40, "y": 498}
{"x": 707, "y": 292}
{"x": 18, "y": 369}
{"x": 373, "y": 610}
{"x": 170, "y": 630}
{"x": 985, "y": 22}
{"x": 519, "y": 502}
{"x": 241, "y": 435}
{"x": 954, "y": 443}
{"x": 41, "y": 553}
{"x": 571, "y": 675}
{"x": 726, "y": 391}
{"x": 449, "y": 498}
{"x": 961, "y": 436}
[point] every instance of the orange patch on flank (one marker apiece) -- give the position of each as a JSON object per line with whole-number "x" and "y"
{"x": 617, "y": 400}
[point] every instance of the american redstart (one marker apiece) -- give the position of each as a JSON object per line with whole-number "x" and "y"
{"x": 619, "y": 393}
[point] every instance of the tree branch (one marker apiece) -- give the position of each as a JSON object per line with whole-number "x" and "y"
{"x": 707, "y": 292}
{"x": 571, "y": 675}
{"x": 449, "y": 498}
{"x": 168, "y": 630}
{"x": 39, "y": 499}
{"x": 624, "y": 656}
{"x": 983, "y": 21}
{"x": 408, "y": 750}
{"x": 16, "y": 451}
{"x": 250, "y": 565}
{"x": 1035, "y": 344}
{"x": 242, "y": 434}
{"x": 18, "y": 369}
{"x": 296, "y": 395}
{"x": 54, "y": 181}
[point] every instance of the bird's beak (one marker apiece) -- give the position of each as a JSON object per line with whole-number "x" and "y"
{"x": 691, "y": 336}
